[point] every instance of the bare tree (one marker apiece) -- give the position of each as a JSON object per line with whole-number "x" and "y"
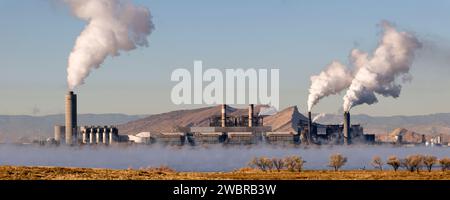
{"x": 337, "y": 161}
{"x": 294, "y": 163}
{"x": 413, "y": 162}
{"x": 278, "y": 163}
{"x": 377, "y": 163}
{"x": 258, "y": 162}
{"x": 268, "y": 163}
{"x": 445, "y": 163}
{"x": 394, "y": 162}
{"x": 429, "y": 161}
{"x": 254, "y": 163}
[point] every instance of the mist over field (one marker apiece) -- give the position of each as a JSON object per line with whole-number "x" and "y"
{"x": 197, "y": 158}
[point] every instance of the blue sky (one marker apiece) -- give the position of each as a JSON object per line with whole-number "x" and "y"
{"x": 298, "y": 37}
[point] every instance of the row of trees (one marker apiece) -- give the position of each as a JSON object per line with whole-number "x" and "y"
{"x": 295, "y": 163}
{"x": 291, "y": 163}
{"x": 412, "y": 162}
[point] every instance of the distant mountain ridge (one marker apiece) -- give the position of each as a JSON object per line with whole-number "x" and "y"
{"x": 170, "y": 121}
{"x": 16, "y": 126}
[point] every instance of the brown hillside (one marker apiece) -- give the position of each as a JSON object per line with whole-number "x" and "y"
{"x": 285, "y": 119}
{"x": 282, "y": 121}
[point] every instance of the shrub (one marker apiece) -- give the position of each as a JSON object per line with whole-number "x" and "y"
{"x": 445, "y": 163}
{"x": 337, "y": 161}
{"x": 412, "y": 162}
{"x": 278, "y": 163}
{"x": 394, "y": 162}
{"x": 262, "y": 163}
{"x": 377, "y": 162}
{"x": 429, "y": 161}
{"x": 294, "y": 163}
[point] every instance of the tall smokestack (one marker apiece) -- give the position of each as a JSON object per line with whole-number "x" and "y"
{"x": 71, "y": 118}
{"x": 308, "y": 136}
{"x": 223, "y": 118}
{"x": 250, "y": 115}
{"x": 347, "y": 135}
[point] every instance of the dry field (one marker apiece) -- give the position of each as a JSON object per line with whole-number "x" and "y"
{"x": 64, "y": 173}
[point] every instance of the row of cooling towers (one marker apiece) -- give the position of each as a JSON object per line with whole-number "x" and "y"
{"x": 89, "y": 135}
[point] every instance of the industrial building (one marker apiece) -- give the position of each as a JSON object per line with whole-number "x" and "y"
{"x": 281, "y": 138}
{"x": 344, "y": 133}
{"x": 231, "y": 129}
{"x": 99, "y": 134}
{"x": 89, "y": 135}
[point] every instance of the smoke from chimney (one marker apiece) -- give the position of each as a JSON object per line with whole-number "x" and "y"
{"x": 112, "y": 26}
{"x": 332, "y": 80}
{"x": 390, "y": 61}
{"x": 319, "y": 116}
{"x": 379, "y": 73}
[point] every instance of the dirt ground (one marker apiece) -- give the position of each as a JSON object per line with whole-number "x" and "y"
{"x": 65, "y": 173}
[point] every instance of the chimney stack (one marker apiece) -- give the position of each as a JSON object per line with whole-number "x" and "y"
{"x": 71, "y": 118}
{"x": 224, "y": 115}
{"x": 308, "y": 136}
{"x": 347, "y": 132}
{"x": 250, "y": 115}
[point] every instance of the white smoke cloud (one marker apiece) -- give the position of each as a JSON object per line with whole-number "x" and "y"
{"x": 332, "y": 80}
{"x": 379, "y": 73}
{"x": 112, "y": 26}
{"x": 317, "y": 117}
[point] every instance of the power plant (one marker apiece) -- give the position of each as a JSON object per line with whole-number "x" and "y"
{"x": 226, "y": 128}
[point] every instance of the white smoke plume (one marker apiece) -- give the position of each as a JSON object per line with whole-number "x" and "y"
{"x": 335, "y": 78}
{"x": 112, "y": 26}
{"x": 381, "y": 72}
{"x": 317, "y": 117}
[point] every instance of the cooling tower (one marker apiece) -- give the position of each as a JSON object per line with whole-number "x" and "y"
{"x": 250, "y": 115}
{"x": 347, "y": 133}
{"x": 71, "y": 118}
{"x": 223, "y": 118}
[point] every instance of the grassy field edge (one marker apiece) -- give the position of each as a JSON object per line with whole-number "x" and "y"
{"x": 70, "y": 173}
